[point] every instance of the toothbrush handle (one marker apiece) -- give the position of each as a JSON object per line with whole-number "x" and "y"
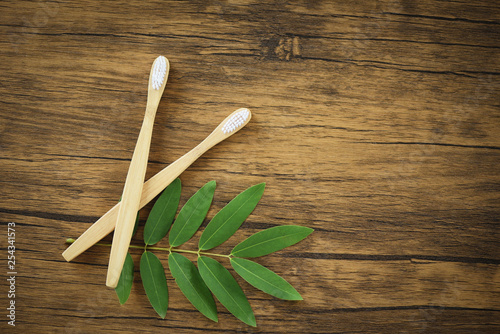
{"x": 150, "y": 189}
{"x": 162, "y": 179}
{"x": 130, "y": 199}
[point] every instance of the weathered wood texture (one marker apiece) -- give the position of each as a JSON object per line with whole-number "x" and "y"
{"x": 375, "y": 122}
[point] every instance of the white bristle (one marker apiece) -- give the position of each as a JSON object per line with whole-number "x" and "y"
{"x": 236, "y": 121}
{"x": 159, "y": 71}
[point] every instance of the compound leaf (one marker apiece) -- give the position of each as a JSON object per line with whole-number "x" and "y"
{"x": 229, "y": 218}
{"x": 223, "y": 285}
{"x": 264, "y": 279}
{"x": 192, "y": 285}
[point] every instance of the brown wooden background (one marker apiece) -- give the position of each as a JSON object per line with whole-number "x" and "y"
{"x": 376, "y": 123}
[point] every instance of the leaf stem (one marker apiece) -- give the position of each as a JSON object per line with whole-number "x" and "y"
{"x": 198, "y": 252}
{"x": 170, "y": 249}
{"x": 183, "y": 251}
{"x": 213, "y": 254}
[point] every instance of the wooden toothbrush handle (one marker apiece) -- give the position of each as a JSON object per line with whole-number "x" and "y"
{"x": 162, "y": 179}
{"x": 130, "y": 200}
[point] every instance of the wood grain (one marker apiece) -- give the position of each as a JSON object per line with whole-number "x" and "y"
{"x": 375, "y": 123}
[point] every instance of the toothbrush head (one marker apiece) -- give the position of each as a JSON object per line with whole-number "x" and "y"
{"x": 236, "y": 121}
{"x": 159, "y": 72}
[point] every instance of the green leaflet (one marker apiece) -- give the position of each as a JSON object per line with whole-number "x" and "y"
{"x": 264, "y": 279}
{"x": 229, "y": 218}
{"x": 223, "y": 285}
{"x": 191, "y": 215}
{"x": 192, "y": 286}
{"x": 270, "y": 240}
{"x": 126, "y": 279}
{"x": 154, "y": 282}
{"x": 162, "y": 214}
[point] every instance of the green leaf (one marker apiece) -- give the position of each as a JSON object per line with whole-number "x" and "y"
{"x": 124, "y": 285}
{"x": 162, "y": 214}
{"x": 154, "y": 282}
{"x": 271, "y": 240}
{"x": 230, "y": 217}
{"x": 223, "y": 285}
{"x": 192, "y": 286}
{"x": 264, "y": 279}
{"x": 191, "y": 215}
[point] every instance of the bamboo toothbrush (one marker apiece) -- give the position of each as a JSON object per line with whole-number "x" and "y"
{"x": 136, "y": 173}
{"x": 102, "y": 227}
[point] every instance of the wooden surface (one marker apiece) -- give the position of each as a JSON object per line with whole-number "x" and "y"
{"x": 374, "y": 122}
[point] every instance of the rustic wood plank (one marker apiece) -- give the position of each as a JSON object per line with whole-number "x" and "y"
{"x": 375, "y": 123}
